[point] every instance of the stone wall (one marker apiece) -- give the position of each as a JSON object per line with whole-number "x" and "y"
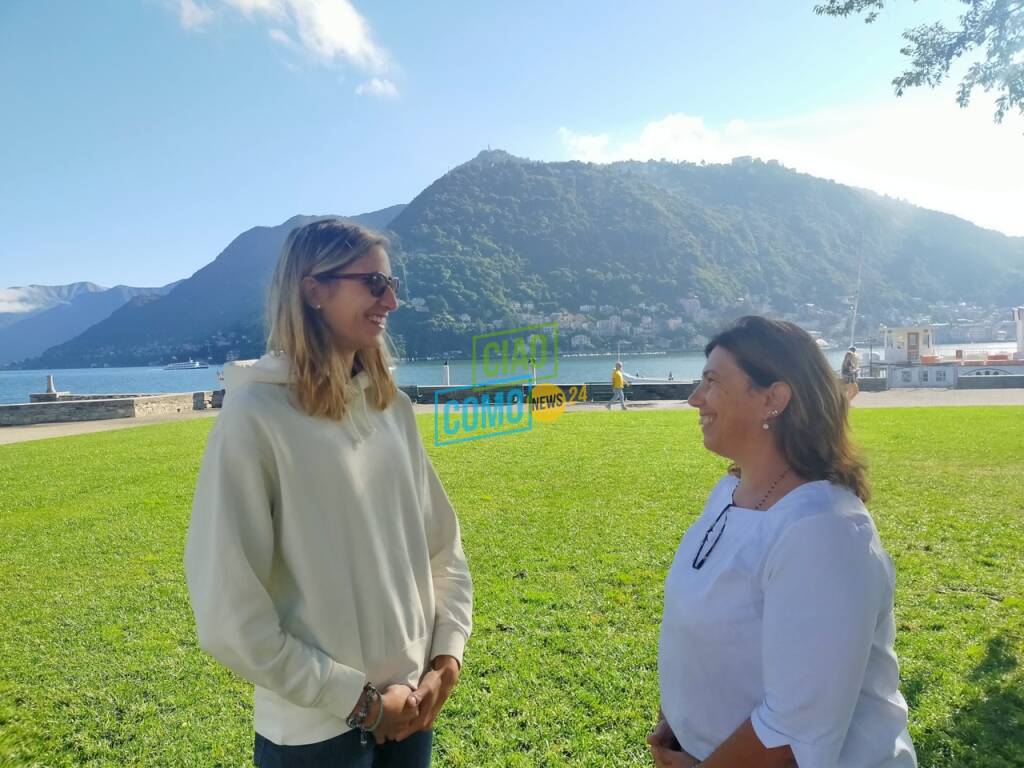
{"x": 600, "y": 392}
{"x": 424, "y": 395}
{"x": 72, "y": 410}
{"x": 60, "y": 397}
{"x": 876, "y": 384}
{"x": 47, "y": 397}
{"x": 100, "y": 407}
{"x": 681, "y": 390}
{"x": 162, "y": 405}
{"x": 989, "y": 382}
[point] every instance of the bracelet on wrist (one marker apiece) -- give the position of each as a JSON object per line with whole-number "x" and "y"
{"x": 358, "y": 720}
{"x": 374, "y": 695}
{"x": 379, "y": 718}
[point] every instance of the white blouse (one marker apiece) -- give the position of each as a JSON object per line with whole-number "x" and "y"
{"x": 789, "y": 622}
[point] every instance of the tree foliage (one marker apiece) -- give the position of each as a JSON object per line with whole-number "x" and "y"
{"x": 990, "y": 29}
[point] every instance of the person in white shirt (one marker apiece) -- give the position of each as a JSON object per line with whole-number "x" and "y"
{"x": 776, "y": 643}
{"x": 323, "y": 560}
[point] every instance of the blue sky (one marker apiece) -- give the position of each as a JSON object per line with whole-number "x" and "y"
{"x": 141, "y": 136}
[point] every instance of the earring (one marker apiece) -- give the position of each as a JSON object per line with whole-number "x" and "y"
{"x": 765, "y": 425}
{"x": 317, "y": 306}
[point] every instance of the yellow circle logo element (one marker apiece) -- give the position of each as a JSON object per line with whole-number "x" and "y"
{"x": 547, "y": 402}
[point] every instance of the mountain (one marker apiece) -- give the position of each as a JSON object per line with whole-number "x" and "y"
{"x": 380, "y": 220}
{"x": 660, "y": 254}
{"x": 19, "y": 303}
{"x": 500, "y": 233}
{"x": 31, "y": 335}
{"x": 219, "y": 308}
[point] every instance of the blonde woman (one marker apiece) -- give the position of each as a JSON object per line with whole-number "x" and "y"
{"x": 777, "y": 636}
{"x": 323, "y": 559}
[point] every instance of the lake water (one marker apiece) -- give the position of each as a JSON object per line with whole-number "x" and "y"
{"x": 15, "y": 386}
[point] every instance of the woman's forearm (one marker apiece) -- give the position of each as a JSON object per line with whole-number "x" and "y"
{"x": 743, "y": 748}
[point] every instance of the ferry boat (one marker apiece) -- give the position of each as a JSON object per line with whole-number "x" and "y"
{"x": 185, "y": 366}
{"x": 912, "y": 359}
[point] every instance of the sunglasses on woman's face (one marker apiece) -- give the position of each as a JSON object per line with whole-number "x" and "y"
{"x": 377, "y": 282}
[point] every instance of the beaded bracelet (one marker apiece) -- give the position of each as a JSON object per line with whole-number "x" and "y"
{"x": 365, "y": 698}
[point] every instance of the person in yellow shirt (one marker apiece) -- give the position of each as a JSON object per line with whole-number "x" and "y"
{"x": 618, "y": 388}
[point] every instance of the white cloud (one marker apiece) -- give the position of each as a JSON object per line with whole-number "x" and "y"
{"x": 333, "y": 29}
{"x": 194, "y": 15}
{"x": 273, "y": 8}
{"x": 328, "y": 31}
{"x": 377, "y": 87}
{"x": 18, "y": 300}
{"x": 592, "y": 149}
{"x": 15, "y": 307}
{"x": 280, "y": 36}
{"x": 922, "y": 148}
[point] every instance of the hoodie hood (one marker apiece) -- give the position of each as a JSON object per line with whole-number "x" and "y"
{"x": 274, "y": 368}
{"x": 269, "y": 369}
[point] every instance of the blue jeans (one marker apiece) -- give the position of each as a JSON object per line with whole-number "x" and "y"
{"x": 618, "y": 396}
{"x": 345, "y": 751}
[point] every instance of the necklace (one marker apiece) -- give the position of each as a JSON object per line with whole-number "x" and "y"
{"x": 769, "y": 491}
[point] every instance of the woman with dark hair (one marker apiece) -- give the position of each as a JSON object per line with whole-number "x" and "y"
{"x": 324, "y": 559}
{"x": 777, "y": 637}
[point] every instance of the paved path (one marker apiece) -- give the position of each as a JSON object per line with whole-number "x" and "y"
{"x": 894, "y": 398}
{"x": 43, "y": 431}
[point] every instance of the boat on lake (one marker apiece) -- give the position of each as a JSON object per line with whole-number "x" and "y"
{"x": 189, "y": 365}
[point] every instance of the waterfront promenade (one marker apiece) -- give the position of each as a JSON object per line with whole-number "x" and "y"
{"x": 893, "y": 398}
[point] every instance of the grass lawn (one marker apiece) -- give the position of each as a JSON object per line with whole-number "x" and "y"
{"x": 569, "y": 529}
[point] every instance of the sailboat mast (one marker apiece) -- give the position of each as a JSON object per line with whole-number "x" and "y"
{"x": 856, "y": 300}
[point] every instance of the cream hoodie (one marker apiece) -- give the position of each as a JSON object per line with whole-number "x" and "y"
{"x": 321, "y": 555}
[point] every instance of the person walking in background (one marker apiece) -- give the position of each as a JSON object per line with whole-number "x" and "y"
{"x": 849, "y": 371}
{"x": 323, "y": 560}
{"x": 618, "y": 388}
{"x": 777, "y": 637}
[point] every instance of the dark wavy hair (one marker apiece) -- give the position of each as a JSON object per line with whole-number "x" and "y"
{"x": 813, "y": 432}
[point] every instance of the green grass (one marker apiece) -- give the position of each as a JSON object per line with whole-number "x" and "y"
{"x": 569, "y": 530}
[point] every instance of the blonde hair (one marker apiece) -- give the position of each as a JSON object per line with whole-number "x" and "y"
{"x": 319, "y": 378}
{"x": 813, "y": 431}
